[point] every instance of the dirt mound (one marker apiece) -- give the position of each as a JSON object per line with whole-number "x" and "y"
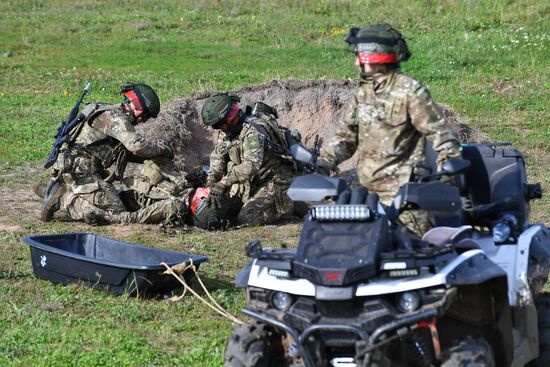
{"x": 313, "y": 107}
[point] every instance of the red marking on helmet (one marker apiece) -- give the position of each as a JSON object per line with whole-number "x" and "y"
{"x": 132, "y": 96}
{"x": 198, "y": 198}
{"x": 373, "y": 58}
{"x": 233, "y": 112}
{"x": 333, "y": 277}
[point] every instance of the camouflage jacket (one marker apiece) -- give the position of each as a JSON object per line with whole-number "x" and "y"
{"x": 387, "y": 123}
{"x": 246, "y": 159}
{"x": 106, "y": 134}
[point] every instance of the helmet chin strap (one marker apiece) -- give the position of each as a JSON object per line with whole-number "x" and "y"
{"x": 367, "y": 74}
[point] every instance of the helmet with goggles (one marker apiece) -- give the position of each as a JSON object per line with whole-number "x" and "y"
{"x": 378, "y": 44}
{"x": 143, "y": 97}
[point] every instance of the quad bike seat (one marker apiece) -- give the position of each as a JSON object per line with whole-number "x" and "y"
{"x": 440, "y": 236}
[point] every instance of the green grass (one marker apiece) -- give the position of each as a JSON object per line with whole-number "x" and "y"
{"x": 488, "y": 60}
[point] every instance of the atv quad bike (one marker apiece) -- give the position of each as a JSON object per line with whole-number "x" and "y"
{"x": 361, "y": 291}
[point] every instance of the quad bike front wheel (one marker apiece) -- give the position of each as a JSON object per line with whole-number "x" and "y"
{"x": 469, "y": 352}
{"x": 253, "y": 345}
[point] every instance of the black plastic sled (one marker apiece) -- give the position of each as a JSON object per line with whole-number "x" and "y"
{"x": 100, "y": 262}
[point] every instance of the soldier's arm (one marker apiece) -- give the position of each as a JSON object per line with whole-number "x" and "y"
{"x": 429, "y": 120}
{"x": 344, "y": 142}
{"x": 118, "y": 126}
{"x": 218, "y": 163}
{"x": 253, "y": 156}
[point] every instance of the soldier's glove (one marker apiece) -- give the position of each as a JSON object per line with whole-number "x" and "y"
{"x": 166, "y": 148}
{"x": 215, "y": 198}
{"x": 324, "y": 167}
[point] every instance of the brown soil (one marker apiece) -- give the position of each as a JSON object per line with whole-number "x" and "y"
{"x": 313, "y": 107}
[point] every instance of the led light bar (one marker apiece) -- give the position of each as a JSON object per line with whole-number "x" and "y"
{"x": 279, "y": 273}
{"x": 338, "y": 213}
{"x": 403, "y": 273}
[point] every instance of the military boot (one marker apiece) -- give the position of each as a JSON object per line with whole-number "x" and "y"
{"x": 52, "y": 198}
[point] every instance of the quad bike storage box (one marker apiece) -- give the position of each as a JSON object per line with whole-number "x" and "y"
{"x": 101, "y": 262}
{"x": 497, "y": 175}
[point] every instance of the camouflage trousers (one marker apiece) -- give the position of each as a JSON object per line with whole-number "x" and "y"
{"x": 93, "y": 200}
{"x": 268, "y": 205}
{"x": 415, "y": 221}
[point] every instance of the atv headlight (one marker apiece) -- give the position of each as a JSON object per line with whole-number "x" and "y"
{"x": 328, "y": 213}
{"x": 408, "y": 301}
{"x": 281, "y": 300}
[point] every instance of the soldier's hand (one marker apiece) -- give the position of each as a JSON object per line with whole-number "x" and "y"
{"x": 215, "y": 198}
{"x": 167, "y": 150}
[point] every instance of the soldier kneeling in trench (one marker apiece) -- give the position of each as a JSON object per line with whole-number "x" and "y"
{"x": 250, "y": 161}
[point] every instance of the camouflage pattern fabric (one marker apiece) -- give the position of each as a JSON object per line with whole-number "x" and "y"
{"x": 254, "y": 172}
{"x": 268, "y": 205}
{"x": 387, "y": 123}
{"x": 104, "y": 139}
{"x": 415, "y": 221}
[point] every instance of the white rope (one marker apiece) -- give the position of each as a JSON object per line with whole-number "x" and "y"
{"x": 180, "y": 269}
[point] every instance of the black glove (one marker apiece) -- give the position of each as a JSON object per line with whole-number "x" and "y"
{"x": 215, "y": 198}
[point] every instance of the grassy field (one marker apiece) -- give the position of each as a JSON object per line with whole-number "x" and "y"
{"x": 488, "y": 60}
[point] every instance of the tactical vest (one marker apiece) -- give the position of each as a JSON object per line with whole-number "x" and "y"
{"x": 88, "y": 150}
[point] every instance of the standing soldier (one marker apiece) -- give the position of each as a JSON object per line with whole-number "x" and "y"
{"x": 248, "y": 161}
{"x": 106, "y": 137}
{"x": 388, "y": 120}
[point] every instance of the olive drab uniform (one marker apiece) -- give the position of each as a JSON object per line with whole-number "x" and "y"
{"x": 257, "y": 174}
{"x": 106, "y": 138}
{"x": 388, "y": 123}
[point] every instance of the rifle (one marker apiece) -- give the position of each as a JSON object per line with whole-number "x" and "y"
{"x": 316, "y": 149}
{"x": 65, "y": 128}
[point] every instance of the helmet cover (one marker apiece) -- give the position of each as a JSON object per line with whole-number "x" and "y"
{"x": 378, "y": 44}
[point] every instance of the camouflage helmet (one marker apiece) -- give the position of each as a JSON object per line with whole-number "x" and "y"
{"x": 146, "y": 97}
{"x": 216, "y": 108}
{"x": 378, "y": 44}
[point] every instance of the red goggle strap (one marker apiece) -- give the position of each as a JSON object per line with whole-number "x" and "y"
{"x": 376, "y": 58}
{"x": 132, "y": 96}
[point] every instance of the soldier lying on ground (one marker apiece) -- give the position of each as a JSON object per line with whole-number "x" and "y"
{"x": 248, "y": 163}
{"x": 81, "y": 180}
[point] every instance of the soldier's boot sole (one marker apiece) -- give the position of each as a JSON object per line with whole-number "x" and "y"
{"x": 51, "y": 201}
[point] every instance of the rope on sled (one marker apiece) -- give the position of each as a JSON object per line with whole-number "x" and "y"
{"x": 180, "y": 269}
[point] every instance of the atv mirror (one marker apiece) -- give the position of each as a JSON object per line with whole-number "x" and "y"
{"x": 315, "y": 187}
{"x": 301, "y": 154}
{"x": 454, "y": 166}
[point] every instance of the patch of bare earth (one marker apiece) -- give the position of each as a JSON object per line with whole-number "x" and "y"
{"x": 312, "y": 107}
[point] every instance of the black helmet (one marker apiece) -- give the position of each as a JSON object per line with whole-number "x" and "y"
{"x": 147, "y": 98}
{"x": 379, "y": 42}
{"x": 216, "y": 108}
{"x": 207, "y": 217}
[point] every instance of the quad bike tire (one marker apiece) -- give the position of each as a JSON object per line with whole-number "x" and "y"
{"x": 542, "y": 302}
{"x": 253, "y": 345}
{"x": 469, "y": 352}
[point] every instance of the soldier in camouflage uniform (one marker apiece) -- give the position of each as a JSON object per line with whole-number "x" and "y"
{"x": 246, "y": 162}
{"x": 97, "y": 154}
{"x": 388, "y": 121}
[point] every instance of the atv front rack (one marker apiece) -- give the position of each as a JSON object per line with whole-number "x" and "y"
{"x": 366, "y": 342}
